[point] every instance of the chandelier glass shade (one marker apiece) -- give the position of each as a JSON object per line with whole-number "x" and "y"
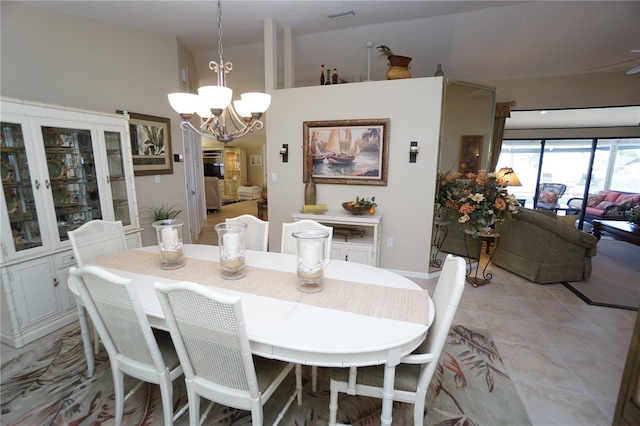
{"x": 222, "y": 120}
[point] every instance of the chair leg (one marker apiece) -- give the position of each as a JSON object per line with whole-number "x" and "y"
{"x": 86, "y": 339}
{"x": 166, "y": 392}
{"x": 314, "y": 378}
{"x": 118, "y": 388}
{"x": 194, "y": 405}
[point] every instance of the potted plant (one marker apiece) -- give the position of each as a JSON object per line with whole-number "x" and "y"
{"x": 398, "y": 64}
{"x": 162, "y": 212}
{"x": 633, "y": 216}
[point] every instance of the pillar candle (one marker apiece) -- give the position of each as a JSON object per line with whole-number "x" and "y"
{"x": 169, "y": 236}
{"x": 231, "y": 244}
{"x": 311, "y": 253}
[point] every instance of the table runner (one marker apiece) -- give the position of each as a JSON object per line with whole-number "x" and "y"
{"x": 365, "y": 299}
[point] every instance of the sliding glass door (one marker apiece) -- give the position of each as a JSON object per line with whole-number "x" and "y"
{"x": 616, "y": 165}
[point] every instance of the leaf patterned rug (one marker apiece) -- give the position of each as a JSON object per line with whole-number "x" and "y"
{"x": 48, "y": 386}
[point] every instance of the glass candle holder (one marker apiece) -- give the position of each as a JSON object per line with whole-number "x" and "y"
{"x": 310, "y": 265}
{"x": 231, "y": 245}
{"x": 169, "y": 233}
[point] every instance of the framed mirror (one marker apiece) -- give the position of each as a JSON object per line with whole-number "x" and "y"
{"x": 466, "y": 129}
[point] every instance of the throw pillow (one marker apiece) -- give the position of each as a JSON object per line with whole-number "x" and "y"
{"x": 626, "y": 204}
{"x": 548, "y": 197}
{"x": 594, "y": 200}
{"x": 603, "y": 205}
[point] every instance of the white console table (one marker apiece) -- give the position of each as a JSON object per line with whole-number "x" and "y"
{"x": 347, "y": 243}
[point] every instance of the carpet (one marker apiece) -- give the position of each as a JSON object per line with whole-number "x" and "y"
{"x": 48, "y": 386}
{"x": 615, "y": 276}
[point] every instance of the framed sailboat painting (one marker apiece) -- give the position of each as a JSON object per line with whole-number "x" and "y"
{"x": 353, "y": 152}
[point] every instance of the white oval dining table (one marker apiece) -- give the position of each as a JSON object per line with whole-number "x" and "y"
{"x": 291, "y": 330}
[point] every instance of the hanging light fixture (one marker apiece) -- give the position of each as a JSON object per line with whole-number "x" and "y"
{"x": 222, "y": 121}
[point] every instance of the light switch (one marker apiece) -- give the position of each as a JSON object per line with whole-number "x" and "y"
{"x": 157, "y": 178}
{"x": 274, "y": 177}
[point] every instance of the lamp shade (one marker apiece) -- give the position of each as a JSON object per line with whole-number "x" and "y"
{"x": 184, "y": 103}
{"x": 509, "y": 177}
{"x": 215, "y": 97}
{"x": 242, "y": 108}
{"x": 256, "y": 102}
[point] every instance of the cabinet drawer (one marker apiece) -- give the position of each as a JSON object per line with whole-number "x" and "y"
{"x": 66, "y": 259}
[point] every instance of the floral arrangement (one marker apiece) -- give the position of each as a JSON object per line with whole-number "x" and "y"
{"x": 633, "y": 215}
{"x": 475, "y": 201}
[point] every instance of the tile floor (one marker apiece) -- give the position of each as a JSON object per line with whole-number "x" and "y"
{"x": 565, "y": 357}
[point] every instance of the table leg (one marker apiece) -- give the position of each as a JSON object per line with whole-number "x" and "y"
{"x": 388, "y": 385}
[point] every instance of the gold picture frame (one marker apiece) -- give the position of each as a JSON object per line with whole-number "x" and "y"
{"x": 352, "y": 152}
{"x": 470, "y": 153}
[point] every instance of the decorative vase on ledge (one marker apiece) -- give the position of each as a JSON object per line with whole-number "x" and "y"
{"x": 310, "y": 191}
{"x": 398, "y": 67}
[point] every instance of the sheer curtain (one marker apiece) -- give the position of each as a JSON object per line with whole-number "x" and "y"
{"x": 503, "y": 111}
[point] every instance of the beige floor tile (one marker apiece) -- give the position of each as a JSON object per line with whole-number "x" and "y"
{"x": 548, "y": 406}
{"x": 519, "y": 331}
{"x": 533, "y": 364}
{"x": 472, "y": 319}
{"x": 506, "y": 306}
{"x": 600, "y": 377}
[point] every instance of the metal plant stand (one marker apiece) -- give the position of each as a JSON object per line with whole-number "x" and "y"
{"x": 439, "y": 235}
{"x": 486, "y": 276}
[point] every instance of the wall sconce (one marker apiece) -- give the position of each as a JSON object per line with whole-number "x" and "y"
{"x": 284, "y": 151}
{"x": 413, "y": 151}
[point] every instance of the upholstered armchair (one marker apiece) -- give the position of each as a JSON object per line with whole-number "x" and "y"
{"x": 541, "y": 248}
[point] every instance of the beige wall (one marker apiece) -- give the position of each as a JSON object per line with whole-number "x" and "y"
{"x": 60, "y": 59}
{"x": 414, "y": 109}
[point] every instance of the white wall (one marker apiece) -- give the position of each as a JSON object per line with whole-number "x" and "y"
{"x": 414, "y": 109}
{"x": 61, "y": 59}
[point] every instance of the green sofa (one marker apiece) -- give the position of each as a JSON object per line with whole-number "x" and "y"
{"x": 541, "y": 248}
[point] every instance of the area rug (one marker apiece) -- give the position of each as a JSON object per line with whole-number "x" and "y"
{"x": 47, "y": 386}
{"x": 615, "y": 276}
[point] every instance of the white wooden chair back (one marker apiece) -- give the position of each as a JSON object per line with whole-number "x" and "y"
{"x": 123, "y": 327}
{"x": 256, "y": 237}
{"x": 210, "y": 336}
{"x": 96, "y": 238}
{"x": 288, "y": 243}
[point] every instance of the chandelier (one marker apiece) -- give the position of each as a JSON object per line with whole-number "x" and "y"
{"x": 221, "y": 120}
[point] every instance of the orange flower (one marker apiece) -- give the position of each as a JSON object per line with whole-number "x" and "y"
{"x": 500, "y": 204}
{"x": 466, "y": 208}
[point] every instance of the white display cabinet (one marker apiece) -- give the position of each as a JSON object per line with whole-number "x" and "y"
{"x": 356, "y": 238}
{"x": 235, "y": 170}
{"x": 59, "y": 168}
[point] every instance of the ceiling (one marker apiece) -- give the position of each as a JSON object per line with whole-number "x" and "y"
{"x": 478, "y": 41}
{"x": 525, "y": 38}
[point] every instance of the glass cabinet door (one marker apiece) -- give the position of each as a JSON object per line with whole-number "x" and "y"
{"x": 117, "y": 179}
{"x": 73, "y": 178}
{"x": 18, "y": 188}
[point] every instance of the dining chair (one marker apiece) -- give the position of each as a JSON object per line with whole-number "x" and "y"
{"x": 133, "y": 347}
{"x": 256, "y": 237}
{"x": 91, "y": 240}
{"x": 288, "y": 243}
{"x": 209, "y": 333}
{"x": 415, "y": 370}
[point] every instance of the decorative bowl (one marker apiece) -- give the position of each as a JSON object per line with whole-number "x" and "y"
{"x": 355, "y": 210}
